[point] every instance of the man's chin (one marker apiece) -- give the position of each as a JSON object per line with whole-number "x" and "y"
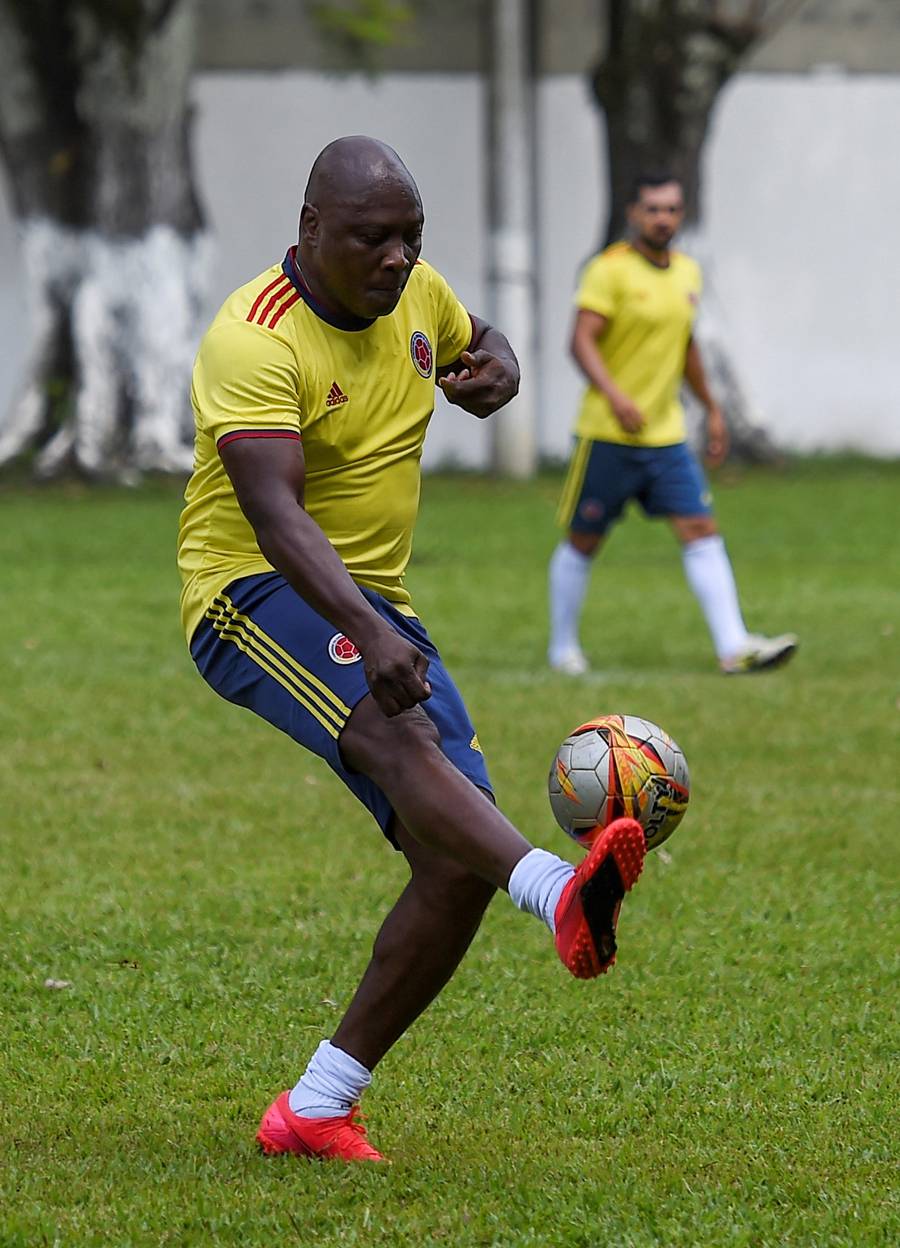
{"x": 381, "y": 302}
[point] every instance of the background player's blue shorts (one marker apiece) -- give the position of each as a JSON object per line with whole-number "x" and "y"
{"x": 665, "y": 480}
{"x": 263, "y": 647}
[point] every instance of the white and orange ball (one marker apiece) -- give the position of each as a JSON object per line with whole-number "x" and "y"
{"x": 619, "y": 765}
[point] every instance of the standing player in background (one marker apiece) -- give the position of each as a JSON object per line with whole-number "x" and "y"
{"x": 633, "y": 342}
{"x": 312, "y": 392}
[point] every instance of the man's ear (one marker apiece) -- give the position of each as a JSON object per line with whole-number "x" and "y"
{"x": 309, "y": 223}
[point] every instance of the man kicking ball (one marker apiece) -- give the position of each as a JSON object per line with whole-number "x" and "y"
{"x": 312, "y": 392}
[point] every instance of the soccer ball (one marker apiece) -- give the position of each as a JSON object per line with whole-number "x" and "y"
{"x": 619, "y": 765}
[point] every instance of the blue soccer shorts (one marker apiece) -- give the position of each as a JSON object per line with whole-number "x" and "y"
{"x": 604, "y": 476}
{"x": 261, "y": 646}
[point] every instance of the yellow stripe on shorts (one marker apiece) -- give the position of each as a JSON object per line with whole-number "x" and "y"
{"x": 571, "y": 490}
{"x": 315, "y": 696}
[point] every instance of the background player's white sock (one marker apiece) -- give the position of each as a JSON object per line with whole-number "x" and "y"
{"x": 569, "y": 572}
{"x": 708, "y": 570}
{"x": 332, "y": 1083}
{"x": 537, "y": 882}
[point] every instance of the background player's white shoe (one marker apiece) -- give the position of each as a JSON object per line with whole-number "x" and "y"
{"x": 760, "y": 653}
{"x": 569, "y": 662}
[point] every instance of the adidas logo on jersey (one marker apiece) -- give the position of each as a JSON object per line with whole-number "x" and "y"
{"x": 336, "y": 396}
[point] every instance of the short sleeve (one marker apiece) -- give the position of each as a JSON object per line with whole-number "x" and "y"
{"x": 597, "y": 290}
{"x": 245, "y": 378}
{"x": 454, "y": 324}
{"x": 697, "y": 275}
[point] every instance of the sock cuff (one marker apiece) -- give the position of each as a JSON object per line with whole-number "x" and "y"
{"x": 536, "y": 884}
{"x": 529, "y": 868}
{"x": 346, "y": 1061}
{"x": 331, "y": 1083}
{"x": 714, "y": 541}
{"x": 565, "y": 550}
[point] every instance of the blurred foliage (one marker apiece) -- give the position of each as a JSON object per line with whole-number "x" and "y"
{"x": 361, "y": 27}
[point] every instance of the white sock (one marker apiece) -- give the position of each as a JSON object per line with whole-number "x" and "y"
{"x": 537, "y": 882}
{"x": 708, "y": 571}
{"x": 569, "y": 573}
{"x": 331, "y": 1084}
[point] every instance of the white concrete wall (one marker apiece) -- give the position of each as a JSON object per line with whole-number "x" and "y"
{"x": 802, "y": 176}
{"x": 257, "y": 137}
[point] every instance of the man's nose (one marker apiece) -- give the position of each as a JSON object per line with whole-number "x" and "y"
{"x": 395, "y": 256}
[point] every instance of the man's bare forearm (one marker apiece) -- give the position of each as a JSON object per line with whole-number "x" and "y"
{"x": 589, "y": 358}
{"x": 497, "y": 344}
{"x": 695, "y": 375}
{"x": 486, "y": 375}
{"x": 295, "y": 545}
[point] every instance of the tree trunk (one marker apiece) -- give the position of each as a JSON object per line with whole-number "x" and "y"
{"x": 94, "y": 132}
{"x": 664, "y": 65}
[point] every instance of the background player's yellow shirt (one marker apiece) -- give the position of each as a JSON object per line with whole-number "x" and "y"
{"x": 360, "y": 400}
{"x": 650, "y": 314}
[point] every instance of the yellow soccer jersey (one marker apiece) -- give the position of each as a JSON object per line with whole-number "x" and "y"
{"x": 650, "y": 314}
{"x": 359, "y": 395}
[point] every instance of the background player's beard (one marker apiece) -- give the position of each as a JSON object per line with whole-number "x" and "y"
{"x": 659, "y": 240}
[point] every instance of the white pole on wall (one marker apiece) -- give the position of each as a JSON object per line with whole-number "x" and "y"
{"x": 512, "y": 267}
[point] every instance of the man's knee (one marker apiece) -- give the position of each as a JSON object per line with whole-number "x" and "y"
{"x": 585, "y": 543}
{"x": 693, "y": 528}
{"x": 372, "y": 742}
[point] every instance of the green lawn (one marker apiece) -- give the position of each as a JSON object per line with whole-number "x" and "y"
{"x": 210, "y": 894}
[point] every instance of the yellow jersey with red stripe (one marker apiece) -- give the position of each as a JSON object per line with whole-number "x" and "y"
{"x": 359, "y": 394}
{"x": 650, "y": 315}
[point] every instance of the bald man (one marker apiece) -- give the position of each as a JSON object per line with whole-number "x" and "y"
{"x": 312, "y": 392}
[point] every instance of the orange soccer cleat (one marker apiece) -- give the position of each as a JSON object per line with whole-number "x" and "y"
{"x": 588, "y": 909}
{"x": 337, "y": 1139}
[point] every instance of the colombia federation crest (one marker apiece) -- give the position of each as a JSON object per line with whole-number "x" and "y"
{"x": 422, "y": 355}
{"x": 342, "y": 650}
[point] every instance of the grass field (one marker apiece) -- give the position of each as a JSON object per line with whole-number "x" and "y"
{"x": 210, "y": 894}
